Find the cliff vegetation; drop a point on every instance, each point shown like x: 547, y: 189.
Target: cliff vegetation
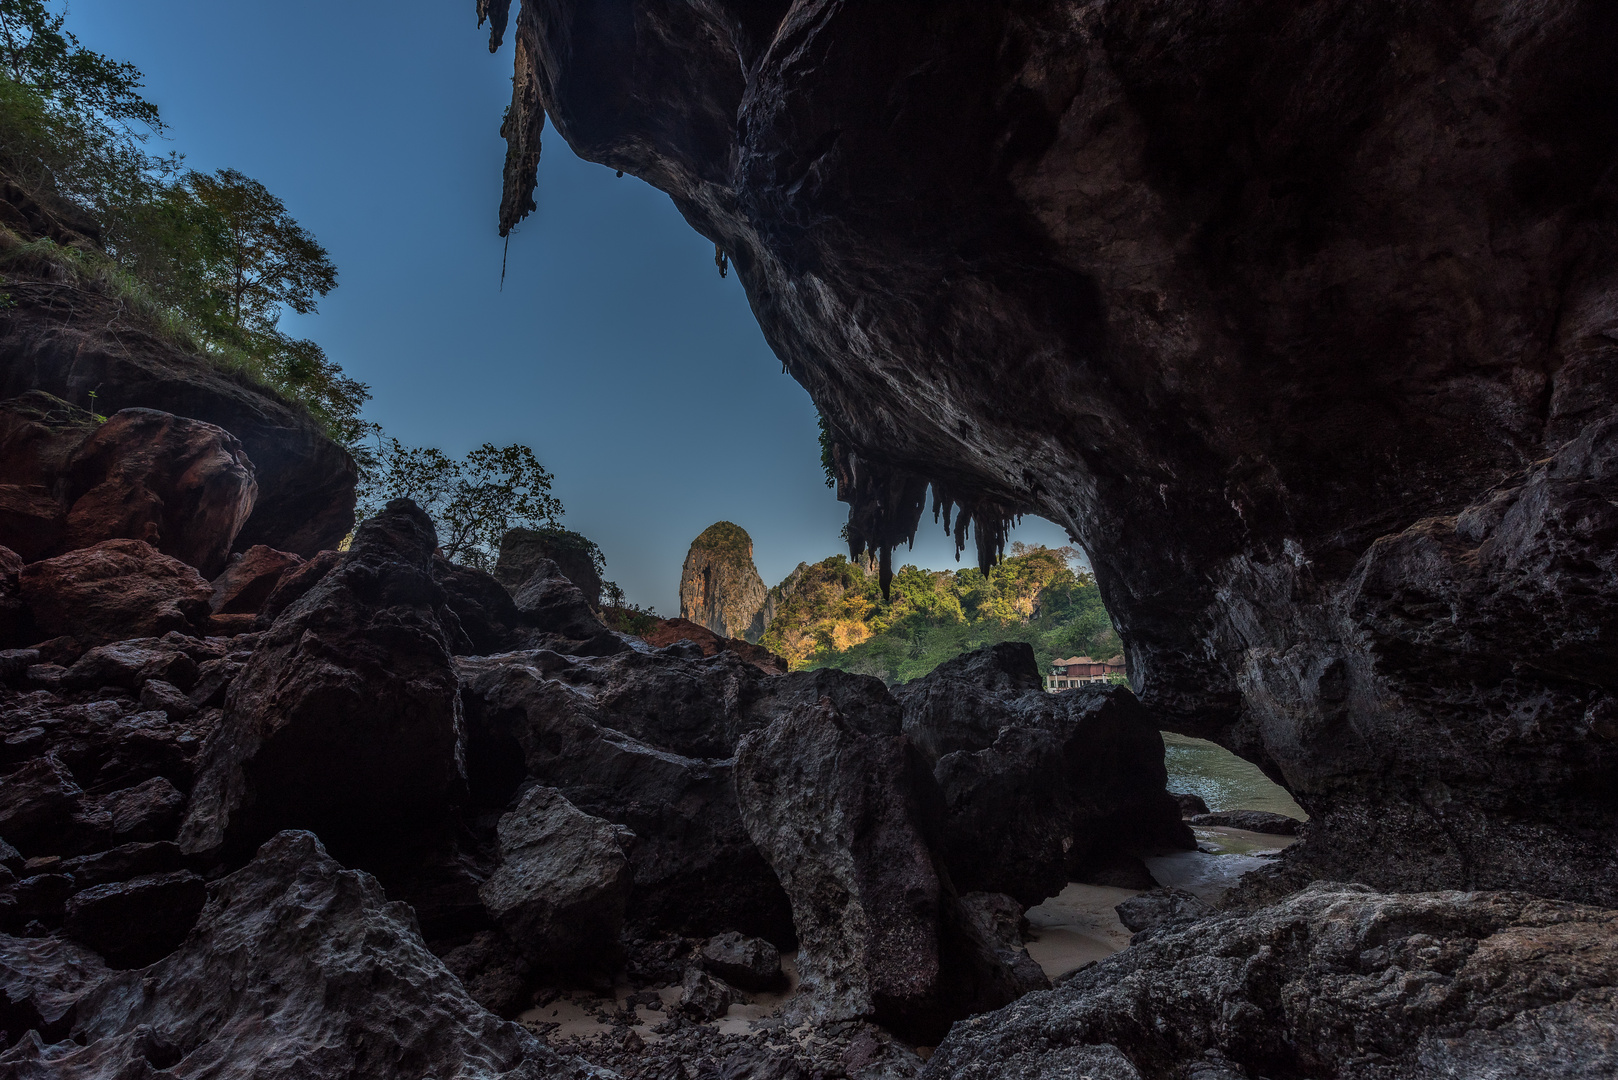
x: 832, y: 615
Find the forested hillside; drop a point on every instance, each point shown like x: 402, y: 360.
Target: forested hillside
x: 831, y: 614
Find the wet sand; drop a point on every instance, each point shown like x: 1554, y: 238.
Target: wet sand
x: 1079, y: 925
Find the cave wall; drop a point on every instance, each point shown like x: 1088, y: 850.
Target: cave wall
x: 1301, y: 317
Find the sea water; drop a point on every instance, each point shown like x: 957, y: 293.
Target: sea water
x: 1225, y: 781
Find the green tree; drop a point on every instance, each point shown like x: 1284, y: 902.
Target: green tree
x: 39, y: 54
x: 473, y: 501
x: 266, y: 261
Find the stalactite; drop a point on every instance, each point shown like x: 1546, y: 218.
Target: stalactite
x: 521, y: 128
x: 498, y: 12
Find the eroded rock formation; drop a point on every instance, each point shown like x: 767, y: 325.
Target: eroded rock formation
x: 1299, y: 317
x: 719, y: 585
x: 1334, y: 981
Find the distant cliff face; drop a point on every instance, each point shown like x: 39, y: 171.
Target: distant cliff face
x: 720, y: 587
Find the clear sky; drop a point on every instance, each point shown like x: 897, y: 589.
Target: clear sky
x: 615, y: 350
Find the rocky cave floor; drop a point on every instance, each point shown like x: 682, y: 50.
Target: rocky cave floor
x: 373, y: 814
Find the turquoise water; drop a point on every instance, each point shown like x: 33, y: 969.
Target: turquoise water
x: 1225, y: 781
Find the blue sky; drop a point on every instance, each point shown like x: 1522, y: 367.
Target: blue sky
x: 615, y: 350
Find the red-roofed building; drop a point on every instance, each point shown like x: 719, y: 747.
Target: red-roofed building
x: 1082, y: 671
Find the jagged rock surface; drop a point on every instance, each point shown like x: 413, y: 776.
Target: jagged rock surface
x: 1334, y: 981
x: 719, y: 585
x: 563, y: 880
x: 114, y: 590
x: 249, y: 578
x: 1039, y: 788
x: 614, y: 735
x: 521, y: 551
x: 1299, y: 318
x: 346, y: 719
x: 351, y: 987
x: 845, y: 819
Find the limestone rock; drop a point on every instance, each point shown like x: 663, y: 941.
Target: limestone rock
x: 486, y: 618
x: 844, y: 820
x: 995, y: 922
x: 559, y: 615
x: 41, y: 979
x: 184, y: 486
x: 546, y: 716
x: 563, y: 880
x: 1490, y: 984
x: 139, y: 921
x: 346, y: 718
x: 746, y: 962
x: 703, y: 997
x: 1252, y: 820
x: 293, y: 583
x: 1159, y: 907
x: 114, y: 590
x: 249, y: 579
x: 1039, y: 787
x: 719, y: 585
x: 521, y: 550
x: 291, y: 935
x: 493, y: 971
x: 1325, y: 389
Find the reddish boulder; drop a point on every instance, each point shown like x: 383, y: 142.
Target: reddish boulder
x: 668, y: 631
x: 116, y: 590
x: 184, y: 486
x: 295, y: 582
x: 249, y: 579
x: 31, y: 519
x: 135, y: 923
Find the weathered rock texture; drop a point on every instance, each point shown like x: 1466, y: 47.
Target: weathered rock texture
x: 574, y: 555
x: 846, y: 818
x: 183, y: 486
x: 346, y: 719
x: 668, y: 631
x: 297, y: 967
x: 719, y: 585
x: 1335, y: 981
x: 69, y: 342
x: 1299, y: 317
x: 114, y: 590
x: 563, y: 880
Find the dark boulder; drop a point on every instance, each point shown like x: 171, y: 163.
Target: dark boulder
x: 249, y: 578
x: 112, y: 591
x: 746, y: 962
x: 39, y: 434
x: 1160, y: 907
x: 139, y: 921
x: 1489, y: 984
x: 561, y: 885
x: 43, y: 812
x: 150, y: 810
x: 1041, y: 788
x: 522, y: 550
x: 184, y: 486
x: 539, y: 714
x: 124, y: 862
x: 493, y: 971
x: 703, y: 997
x: 846, y: 820
x: 1190, y: 805
x: 293, y: 583
x: 305, y: 480
x: 291, y: 935
x: 559, y: 617
x: 995, y: 922
x: 346, y: 718
x: 41, y: 979
x: 486, y: 617
x: 1261, y: 821
x: 16, y: 623
x: 131, y: 664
